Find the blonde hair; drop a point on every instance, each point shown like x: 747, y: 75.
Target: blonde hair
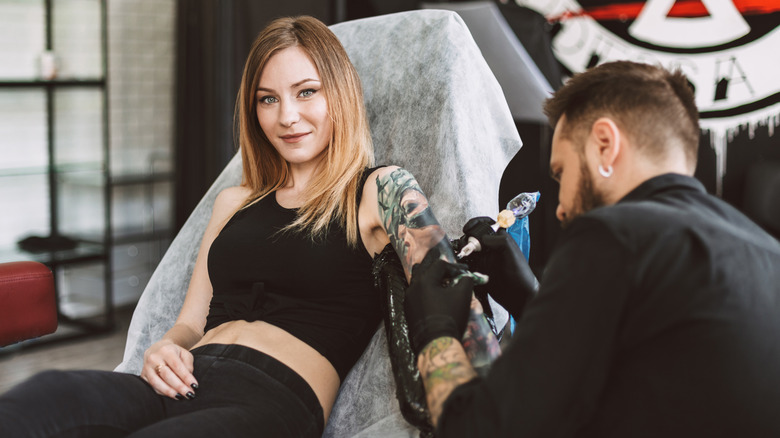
x: 332, y: 192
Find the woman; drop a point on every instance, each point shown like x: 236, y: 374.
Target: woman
x: 280, y: 304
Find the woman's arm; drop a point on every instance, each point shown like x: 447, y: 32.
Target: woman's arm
x: 171, y: 353
x: 403, y: 218
x: 395, y: 210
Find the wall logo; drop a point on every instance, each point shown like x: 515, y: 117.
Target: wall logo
x: 729, y: 49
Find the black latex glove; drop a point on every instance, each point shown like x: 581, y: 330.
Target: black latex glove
x: 435, y: 307
x: 512, y: 283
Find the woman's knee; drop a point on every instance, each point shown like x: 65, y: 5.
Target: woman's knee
x: 69, y: 386
x: 78, y: 400
x: 53, y: 381
x: 43, y: 381
x: 21, y: 406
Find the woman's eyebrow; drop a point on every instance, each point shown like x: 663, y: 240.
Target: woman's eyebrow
x: 297, y: 84
x: 301, y: 82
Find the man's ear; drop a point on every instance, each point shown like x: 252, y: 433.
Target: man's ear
x: 606, y: 136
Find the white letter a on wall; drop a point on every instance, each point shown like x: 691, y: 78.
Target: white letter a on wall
x: 723, y: 24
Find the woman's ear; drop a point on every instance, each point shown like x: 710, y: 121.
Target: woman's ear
x: 606, y: 136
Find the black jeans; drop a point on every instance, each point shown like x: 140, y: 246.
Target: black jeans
x: 242, y: 392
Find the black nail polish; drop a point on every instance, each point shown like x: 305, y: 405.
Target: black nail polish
x: 179, y: 397
x: 190, y: 395
x: 194, y: 386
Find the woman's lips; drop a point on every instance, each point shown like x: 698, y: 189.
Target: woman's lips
x: 294, y: 138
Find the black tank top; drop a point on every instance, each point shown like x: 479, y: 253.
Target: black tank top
x: 320, y: 292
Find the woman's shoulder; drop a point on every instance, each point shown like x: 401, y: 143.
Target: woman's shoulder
x: 368, y: 180
x: 231, y: 199
x: 371, y: 175
x: 381, y: 173
x: 233, y: 195
x: 388, y: 175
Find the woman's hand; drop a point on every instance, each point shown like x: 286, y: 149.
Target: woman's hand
x: 168, y: 369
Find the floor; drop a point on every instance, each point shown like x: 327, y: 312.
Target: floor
x: 99, y: 352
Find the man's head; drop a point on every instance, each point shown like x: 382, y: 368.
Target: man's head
x: 616, y: 126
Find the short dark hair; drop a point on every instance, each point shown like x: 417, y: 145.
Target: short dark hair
x: 655, y: 107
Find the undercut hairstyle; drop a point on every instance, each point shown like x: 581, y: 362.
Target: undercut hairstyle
x: 654, y: 107
x: 332, y: 192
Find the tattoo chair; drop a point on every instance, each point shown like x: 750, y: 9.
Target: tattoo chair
x: 27, y: 302
x: 435, y: 109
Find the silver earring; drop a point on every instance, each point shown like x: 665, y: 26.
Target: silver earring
x: 606, y: 173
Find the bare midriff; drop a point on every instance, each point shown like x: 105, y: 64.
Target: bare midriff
x: 312, y: 366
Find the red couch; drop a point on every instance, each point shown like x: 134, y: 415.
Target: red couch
x: 28, y: 307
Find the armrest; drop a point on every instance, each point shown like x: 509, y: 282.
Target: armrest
x: 28, y: 306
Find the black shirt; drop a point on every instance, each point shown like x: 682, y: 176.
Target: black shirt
x: 658, y: 317
x: 321, y: 291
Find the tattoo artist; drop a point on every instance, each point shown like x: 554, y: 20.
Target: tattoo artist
x: 658, y: 312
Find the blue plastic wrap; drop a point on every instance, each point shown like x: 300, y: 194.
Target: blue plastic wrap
x: 522, y: 205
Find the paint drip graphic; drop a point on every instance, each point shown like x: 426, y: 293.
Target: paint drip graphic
x: 729, y: 49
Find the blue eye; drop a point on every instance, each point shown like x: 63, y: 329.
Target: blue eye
x: 266, y: 100
x: 309, y: 92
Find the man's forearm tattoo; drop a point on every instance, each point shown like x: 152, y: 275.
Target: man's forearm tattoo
x: 479, y: 342
x: 443, y: 366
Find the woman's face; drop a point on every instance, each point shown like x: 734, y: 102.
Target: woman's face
x: 292, y: 109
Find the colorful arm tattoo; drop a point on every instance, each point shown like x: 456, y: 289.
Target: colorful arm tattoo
x: 408, y: 220
x: 479, y: 342
x: 413, y: 231
x: 444, y: 365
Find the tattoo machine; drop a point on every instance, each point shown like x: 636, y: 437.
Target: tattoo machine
x: 514, y: 219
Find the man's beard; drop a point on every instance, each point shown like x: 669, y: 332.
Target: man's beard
x: 587, y: 197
